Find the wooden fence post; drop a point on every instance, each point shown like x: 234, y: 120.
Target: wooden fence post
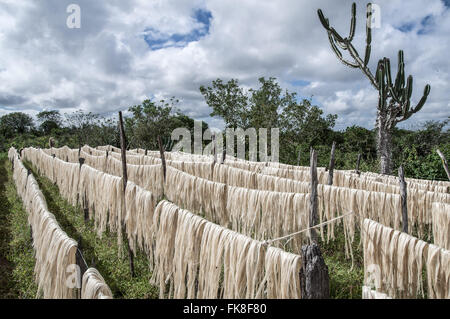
x: 313, y: 216
x: 314, y: 277
x: 81, y: 160
x: 214, y: 148
x: 357, y: 164
x: 163, y: 159
x: 224, y: 155
x: 444, y: 163
x: 123, y: 146
x: 404, y: 196
x: 331, y: 165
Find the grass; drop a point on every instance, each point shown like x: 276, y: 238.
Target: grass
x: 16, y: 252
x: 346, y: 278
x: 99, y: 252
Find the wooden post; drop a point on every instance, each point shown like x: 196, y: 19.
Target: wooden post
x: 313, y: 216
x: 314, y: 277
x: 357, y: 164
x: 81, y: 160
x: 444, y: 163
x: 404, y: 196
x: 224, y: 155
x: 123, y: 146
x: 298, y: 158
x: 331, y: 171
x: 214, y: 148
x: 163, y: 159
x: 146, y: 152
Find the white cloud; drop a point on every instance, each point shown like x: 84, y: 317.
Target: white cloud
x: 107, y: 65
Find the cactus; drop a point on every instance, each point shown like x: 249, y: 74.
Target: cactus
x: 394, y: 98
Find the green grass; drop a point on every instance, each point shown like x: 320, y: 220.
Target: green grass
x: 346, y: 277
x: 16, y: 252
x: 99, y: 252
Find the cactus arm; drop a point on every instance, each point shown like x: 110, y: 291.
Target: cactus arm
x: 422, y: 101
x: 339, y: 54
x: 400, y: 78
x: 323, y: 20
x: 419, y: 105
x: 363, y: 68
x: 352, y: 23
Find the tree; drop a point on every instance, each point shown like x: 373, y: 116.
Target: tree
x: 269, y: 106
x: 16, y: 123
x: 394, y: 104
x: 83, y: 124
x: 360, y: 140
x: 49, y: 120
x: 228, y: 101
x: 150, y: 120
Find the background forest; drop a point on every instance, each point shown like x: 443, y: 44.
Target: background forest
x: 302, y: 125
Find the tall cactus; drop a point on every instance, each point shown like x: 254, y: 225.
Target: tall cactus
x: 394, y: 98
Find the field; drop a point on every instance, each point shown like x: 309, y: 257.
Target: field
x: 97, y: 237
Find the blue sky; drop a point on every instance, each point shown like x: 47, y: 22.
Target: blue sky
x: 130, y: 50
x: 157, y: 40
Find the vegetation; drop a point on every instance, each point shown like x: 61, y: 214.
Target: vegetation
x: 16, y: 252
x: 302, y: 126
x: 394, y: 98
x: 100, y: 252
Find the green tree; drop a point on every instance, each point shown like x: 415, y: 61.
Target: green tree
x: 268, y: 106
x: 49, y: 121
x: 228, y: 101
x: 83, y: 125
x: 150, y: 120
x: 15, y: 123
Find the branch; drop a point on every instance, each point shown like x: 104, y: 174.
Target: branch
x: 338, y: 53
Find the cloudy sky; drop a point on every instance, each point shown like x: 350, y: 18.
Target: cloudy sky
x: 128, y: 50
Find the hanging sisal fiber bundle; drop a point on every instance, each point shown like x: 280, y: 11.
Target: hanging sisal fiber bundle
x: 368, y: 293
x: 94, y: 286
x: 220, y: 173
x: 148, y: 160
x: 109, y: 148
x: 441, y: 225
x: 187, y: 157
x: 165, y: 217
x: 282, y: 274
x: 68, y: 181
x: 97, y: 162
x: 105, y: 207
x: 243, y: 264
x: 412, y: 182
x: 139, y: 208
x: 393, y: 263
x: 54, y: 250
x: 196, y: 194
x: 202, y: 169
x: 438, y: 272
x: 187, y: 254
x: 195, y: 258
x: 266, y: 214
x: 149, y: 177
x: 92, y: 151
